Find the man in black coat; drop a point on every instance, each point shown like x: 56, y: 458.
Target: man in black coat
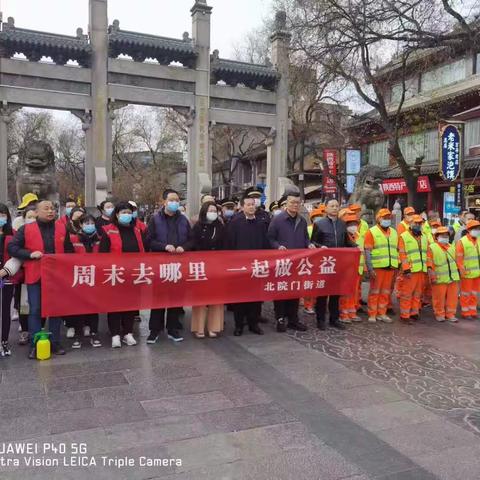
x: 330, y: 232
x: 247, y: 232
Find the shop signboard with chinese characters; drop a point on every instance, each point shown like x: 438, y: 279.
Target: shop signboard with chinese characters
x: 88, y: 283
x: 396, y: 186
x: 450, y: 152
x: 330, y: 158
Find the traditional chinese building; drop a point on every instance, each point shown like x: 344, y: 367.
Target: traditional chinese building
x: 438, y: 88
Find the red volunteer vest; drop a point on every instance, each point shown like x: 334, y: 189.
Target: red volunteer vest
x: 116, y: 239
x: 34, y: 242
x: 79, y: 247
x: 141, y: 226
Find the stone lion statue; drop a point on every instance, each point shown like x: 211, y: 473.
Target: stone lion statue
x: 368, y: 193
x: 36, y: 171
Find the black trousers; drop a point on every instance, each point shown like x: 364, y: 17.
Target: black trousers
x: 119, y: 322
x: 6, y: 294
x: 78, y: 321
x: 287, y: 309
x: 246, y: 312
x: 321, y: 308
x: 157, y: 319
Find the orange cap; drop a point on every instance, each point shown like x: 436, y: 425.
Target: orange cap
x: 350, y: 217
x: 441, y: 230
x: 472, y: 224
x: 436, y: 224
x: 384, y: 212
x: 417, y: 219
x: 408, y: 210
x: 317, y: 212
x: 343, y: 212
x: 355, y: 207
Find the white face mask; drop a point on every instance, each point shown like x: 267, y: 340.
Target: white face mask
x: 352, y: 229
x: 385, y: 223
x: 277, y: 212
x: 258, y: 202
x: 212, y: 216
x: 434, y: 231
x: 443, y: 240
x: 475, y: 233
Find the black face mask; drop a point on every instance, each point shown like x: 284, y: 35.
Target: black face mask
x: 417, y: 230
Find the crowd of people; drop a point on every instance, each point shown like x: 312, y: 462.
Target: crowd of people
x: 421, y: 261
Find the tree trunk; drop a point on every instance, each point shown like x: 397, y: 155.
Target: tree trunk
x: 301, y: 174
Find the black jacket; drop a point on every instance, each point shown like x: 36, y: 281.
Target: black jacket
x: 207, y: 236
x: 331, y: 234
x: 245, y: 234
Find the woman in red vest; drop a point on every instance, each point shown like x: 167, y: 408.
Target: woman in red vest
x: 122, y: 236
x: 6, y: 290
x: 86, y: 240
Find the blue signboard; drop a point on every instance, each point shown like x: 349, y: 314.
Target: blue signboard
x: 450, y: 153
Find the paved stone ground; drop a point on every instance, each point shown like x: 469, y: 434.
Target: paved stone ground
x: 377, y: 401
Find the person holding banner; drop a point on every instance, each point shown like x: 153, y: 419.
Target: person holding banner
x: 168, y: 231
x: 381, y: 257
x: 288, y: 230
x: 247, y: 232
x: 86, y: 240
x: 122, y: 236
x: 330, y: 232
x: 208, y: 234
x: 29, y: 244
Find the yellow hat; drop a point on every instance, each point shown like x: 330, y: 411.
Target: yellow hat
x: 409, y: 211
x: 27, y: 199
x: 384, y: 212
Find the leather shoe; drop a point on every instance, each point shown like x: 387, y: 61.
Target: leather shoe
x: 58, y: 349
x: 338, y: 324
x: 281, y: 325
x: 256, y: 329
x: 299, y: 326
x: 238, y: 332
x: 321, y: 325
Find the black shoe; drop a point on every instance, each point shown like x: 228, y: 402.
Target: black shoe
x: 263, y: 320
x: 175, y: 336
x: 238, y: 332
x: 321, y: 325
x: 299, y: 326
x: 281, y: 325
x: 57, y: 349
x: 414, y: 317
x: 152, y: 338
x: 390, y: 311
x: 32, y: 355
x: 256, y: 329
x: 338, y: 324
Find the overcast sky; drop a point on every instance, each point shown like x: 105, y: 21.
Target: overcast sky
x: 231, y: 19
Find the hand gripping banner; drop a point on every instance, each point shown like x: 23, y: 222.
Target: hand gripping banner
x: 74, y: 284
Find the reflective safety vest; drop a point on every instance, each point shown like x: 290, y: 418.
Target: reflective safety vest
x: 310, y: 230
x: 417, y: 257
x: 405, y: 226
x: 471, y: 258
x: 360, y: 241
x: 446, y: 270
x: 457, y: 226
x: 426, y: 229
x: 363, y: 228
x: 116, y: 239
x: 385, y: 250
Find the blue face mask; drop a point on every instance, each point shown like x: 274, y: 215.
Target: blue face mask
x: 125, y: 218
x: 228, y: 213
x: 3, y: 221
x: 89, y: 228
x: 68, y: 211
x: 135, y: 214
x: 173, y: 206
x: 385, y: 223
x: 109, y: 211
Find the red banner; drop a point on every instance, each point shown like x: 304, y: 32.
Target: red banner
x: 394, y: 186
x: 89, y: 283
x: 329, y: 185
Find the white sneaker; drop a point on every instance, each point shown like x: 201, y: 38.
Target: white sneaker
x: 129, y: 340
x: 70, y: 332
x: 356, y: 319
x: 372, y: 320
x: 385, y: 319
x: 453, y: 319
x: 86, y: 331
x: 116, y: 341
